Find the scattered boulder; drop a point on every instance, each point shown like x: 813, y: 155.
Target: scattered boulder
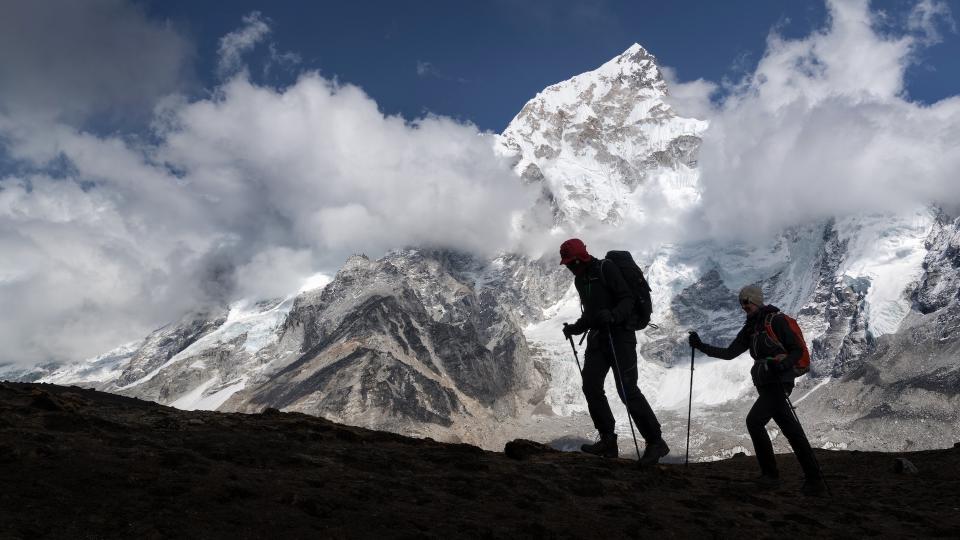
x: 904, y: 466
x: 522, y: 449
x: 956, y: 445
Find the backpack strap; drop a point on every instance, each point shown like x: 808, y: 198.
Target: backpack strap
x: 589, y: 287
x: 768, y: 326
x: 602, y: 280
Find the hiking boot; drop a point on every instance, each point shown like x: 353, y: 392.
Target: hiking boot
x: 606, y: 446
x: 813, y: 487
x: 767, y: 481
x: 653, y: 452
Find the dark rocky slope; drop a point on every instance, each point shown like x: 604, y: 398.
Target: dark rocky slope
x: 78, y: 463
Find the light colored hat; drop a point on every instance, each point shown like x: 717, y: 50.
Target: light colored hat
x: 752, y: 294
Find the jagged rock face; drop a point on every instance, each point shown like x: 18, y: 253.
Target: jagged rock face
x: 402, y: 343
x: 419, y: 342
x: 526, y: 287
x: 896, y: 391
x: 708, y: 293
x: 614, y: 124
x: 833, y: 318
x: 198, y: 362
x: 707, y: 305
x: 941, y: 280
x: 905, y: 394
x: 166, y: 342
x: 815, y: 273
x: 224, y: 363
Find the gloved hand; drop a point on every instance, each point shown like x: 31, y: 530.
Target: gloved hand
x: 568, y: 330
x: 604, y: 317
x: 694, y: 340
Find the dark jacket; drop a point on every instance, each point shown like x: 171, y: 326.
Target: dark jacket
x: 603, y: 291
x: 753, y: 337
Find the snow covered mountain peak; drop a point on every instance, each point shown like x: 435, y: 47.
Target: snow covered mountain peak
x: 634, y: 63
x: 600, y: 141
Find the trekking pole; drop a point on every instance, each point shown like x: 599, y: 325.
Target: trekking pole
x: 623, y: 392
x: 793, y: 410
x: 575, y: 357
x: 686, y: 458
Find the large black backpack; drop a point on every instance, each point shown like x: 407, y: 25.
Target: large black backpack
x: 642, y: 305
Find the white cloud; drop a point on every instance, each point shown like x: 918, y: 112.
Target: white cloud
x: 321, y: 160
x: 79, y: 273
x: 235, y: 44
x: 245, y: 194
x: 284, y: 60
x: 927, y: 18
x: 822, y: 127
x: 693, y: 98
x: 275, y: 272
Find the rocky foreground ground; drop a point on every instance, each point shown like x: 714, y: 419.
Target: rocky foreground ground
x: 77, y: 463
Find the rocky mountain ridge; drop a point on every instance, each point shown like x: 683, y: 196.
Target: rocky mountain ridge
x: 593, y: 140
x: 451, y: 346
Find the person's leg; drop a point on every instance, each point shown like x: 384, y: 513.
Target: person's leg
x: 757, y: 419
x: 594, y: 372
x: 793, y: 431
x: 637, y: 405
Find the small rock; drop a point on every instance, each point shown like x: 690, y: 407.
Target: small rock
x: 740, y: 454
x: 522, y: 449
x: 270, y: 411
x: 956, y: 445
x: 904, y: 466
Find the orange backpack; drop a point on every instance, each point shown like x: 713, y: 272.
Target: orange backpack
x: 803, y: 363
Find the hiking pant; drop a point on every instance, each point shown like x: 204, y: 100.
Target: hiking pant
x: 772, y: 404
x: 597, y: 361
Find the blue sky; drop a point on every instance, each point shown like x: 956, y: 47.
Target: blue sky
x: 481, y: 61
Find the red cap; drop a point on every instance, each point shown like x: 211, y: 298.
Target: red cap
x: 572, y: 249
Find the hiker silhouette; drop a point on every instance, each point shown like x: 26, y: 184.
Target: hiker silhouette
x: 777, y: 360
x: 608, y: 306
